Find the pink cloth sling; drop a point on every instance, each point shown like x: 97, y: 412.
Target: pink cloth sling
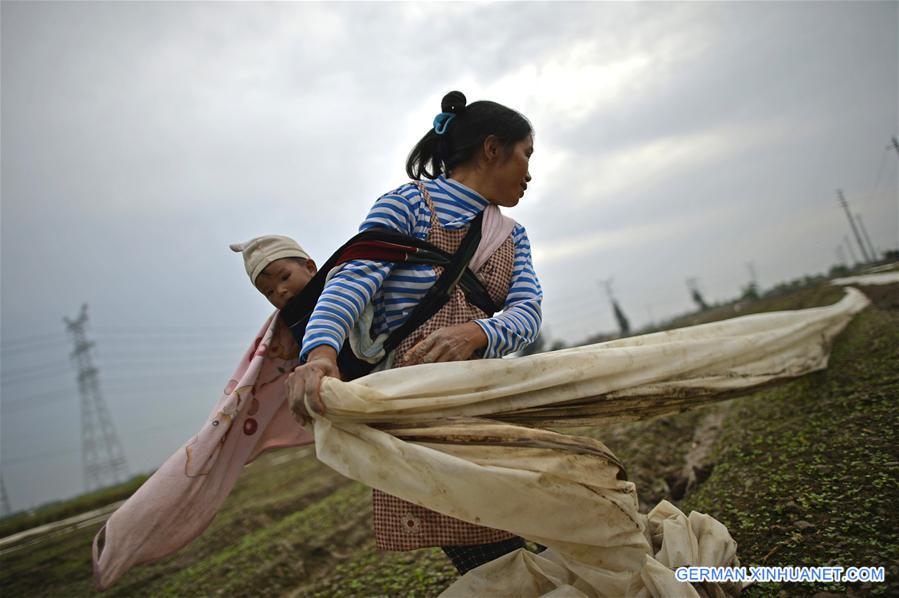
x: 494, y: 230
x: 181, y: 498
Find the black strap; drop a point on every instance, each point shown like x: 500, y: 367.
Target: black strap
x: 351, y: 367
x: 438, y: 295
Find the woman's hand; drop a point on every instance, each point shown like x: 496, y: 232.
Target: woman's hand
x: 453, y: 343
x: 305, y: 382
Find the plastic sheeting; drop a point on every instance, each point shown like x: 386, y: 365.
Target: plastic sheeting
x: 628, y: 378
x: 868, y: 279
x: 422, y: 433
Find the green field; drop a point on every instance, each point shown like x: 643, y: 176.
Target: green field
x: 805, y: 473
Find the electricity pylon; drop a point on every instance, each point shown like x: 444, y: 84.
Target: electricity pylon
x: 845, y: 205
x: 5, y: 509
x: 102, y: 456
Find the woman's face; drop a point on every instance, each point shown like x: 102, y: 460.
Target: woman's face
x: 509, y: 175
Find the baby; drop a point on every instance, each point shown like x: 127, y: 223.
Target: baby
x: 278, y: 267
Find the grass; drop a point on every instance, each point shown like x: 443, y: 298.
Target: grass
x: 808, y: 472
x: 802, y: 474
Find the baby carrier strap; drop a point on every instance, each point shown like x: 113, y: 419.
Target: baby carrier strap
x: 441, y: 291
x: 389, y: 245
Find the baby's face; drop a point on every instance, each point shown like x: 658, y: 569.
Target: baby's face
x: 283, y: 279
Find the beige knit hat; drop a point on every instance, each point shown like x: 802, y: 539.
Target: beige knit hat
x: 262, y: 251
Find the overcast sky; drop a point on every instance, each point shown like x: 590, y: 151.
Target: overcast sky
x: 140, y: 139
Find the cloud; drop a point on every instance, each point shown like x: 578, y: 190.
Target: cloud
x: 622, y: 239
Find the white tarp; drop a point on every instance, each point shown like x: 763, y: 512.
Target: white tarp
x: 868, y: 279
x: 422, y: 433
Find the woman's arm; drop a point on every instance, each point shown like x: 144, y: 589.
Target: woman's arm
x: 348, y: 291
x: 515, y: 328
x: 342, y: 300
x: 518, y: 324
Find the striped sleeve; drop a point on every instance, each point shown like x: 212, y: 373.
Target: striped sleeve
x: 390, y: 211
x: 354, y: 285
x: 519, y: 322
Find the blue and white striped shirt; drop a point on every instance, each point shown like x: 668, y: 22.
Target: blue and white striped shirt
x: 396, y: 289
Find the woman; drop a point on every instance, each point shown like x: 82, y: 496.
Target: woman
x: 474, y: 156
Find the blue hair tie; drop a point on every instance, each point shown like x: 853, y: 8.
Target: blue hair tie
x: 442, y: 121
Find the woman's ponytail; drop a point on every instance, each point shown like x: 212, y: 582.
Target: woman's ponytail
x: 424, y: 159
x: 428, y: 156
x: 459, y: 130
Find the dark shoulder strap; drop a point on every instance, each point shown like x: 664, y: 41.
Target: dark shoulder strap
x: 376, y: 243
x: 438, y: 295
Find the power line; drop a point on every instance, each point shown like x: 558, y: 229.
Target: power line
x: 876, y: 187
x: 115, y: 329
x: 61, y: 395
x: 39, y: 456
x: 156, y: 358
x: 35, y: 368
x: 30, y: 378
x: 861, y: 226
x: 38, y: 396
x: 37, y: 400
x: 150, y: 356
x: 68, y: 449
x: 32, y: 338
x: 841, y: 256
x: 167, y: 344
x: 588, y: 313
x: 179, y: 337
x: 130, y: 374
x: 157, y: 371
x: 214, y: 336
x: 18, y: 406
x: 38, y: 345
x: 145, y: 375
x: 849, y: 247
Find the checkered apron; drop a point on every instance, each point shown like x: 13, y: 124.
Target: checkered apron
x: 401, y: 525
